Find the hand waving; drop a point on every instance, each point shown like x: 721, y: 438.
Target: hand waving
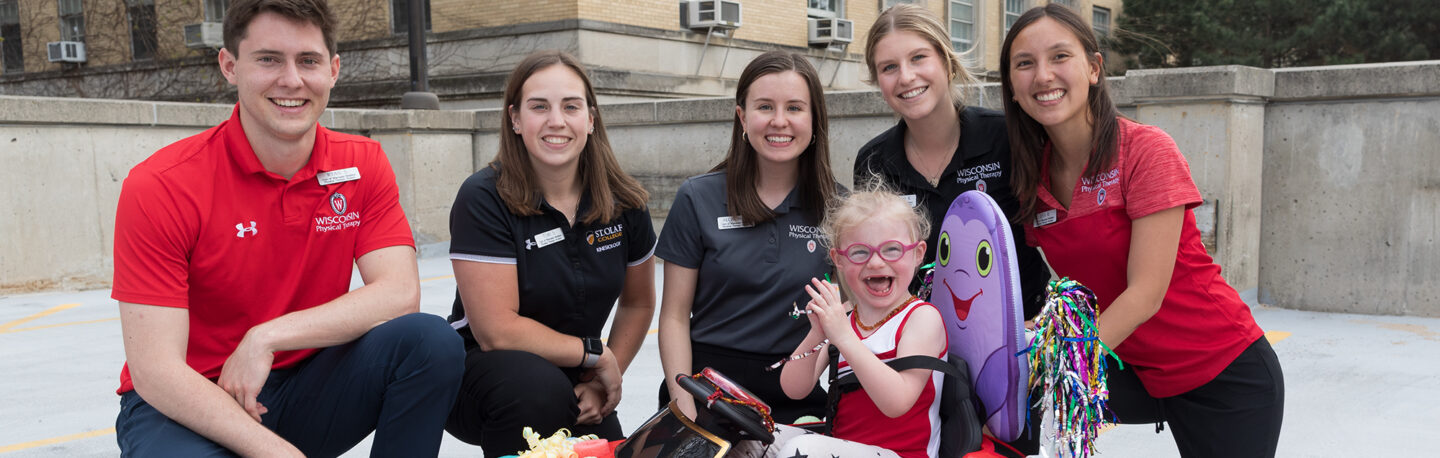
x: 827, y: 310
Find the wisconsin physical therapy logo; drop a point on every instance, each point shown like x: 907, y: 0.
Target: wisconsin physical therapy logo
x: 979, y: 172
x: 801, y: 231
x: 608, y: 237
x: 341, y: 220
x: 1099, y: 184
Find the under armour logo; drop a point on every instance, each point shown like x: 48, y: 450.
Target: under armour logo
x: 240, y: 229
x: 529, y: 244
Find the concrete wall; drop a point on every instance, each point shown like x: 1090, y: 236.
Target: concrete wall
x: 1351, y: 202
x: 1321, y: 185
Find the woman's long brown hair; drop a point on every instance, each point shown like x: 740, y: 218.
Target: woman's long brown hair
x: 611, y: 190
x: 1028, y: 137
x: 815, y: 180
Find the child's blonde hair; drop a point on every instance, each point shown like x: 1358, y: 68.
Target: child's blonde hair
x: 876, y: 200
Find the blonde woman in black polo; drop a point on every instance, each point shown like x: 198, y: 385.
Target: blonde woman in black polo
x: 940, y: 147
x: 741, y: 242
x: 544, y: 240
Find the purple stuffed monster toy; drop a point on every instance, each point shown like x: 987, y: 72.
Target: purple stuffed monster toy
x: 977, y: 290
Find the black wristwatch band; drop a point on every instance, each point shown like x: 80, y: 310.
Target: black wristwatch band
x: 593, y: 349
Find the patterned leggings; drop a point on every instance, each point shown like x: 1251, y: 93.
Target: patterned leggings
x: 796, y: 442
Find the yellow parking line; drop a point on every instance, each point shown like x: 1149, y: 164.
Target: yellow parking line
x: 61, y: 307
x: 442, y: 277
x: 56, y: 440
x: 48, y: 326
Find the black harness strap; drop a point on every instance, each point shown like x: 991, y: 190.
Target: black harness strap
x: 960, y: 430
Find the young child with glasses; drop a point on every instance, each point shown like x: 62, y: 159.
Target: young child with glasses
x: 877, y: 242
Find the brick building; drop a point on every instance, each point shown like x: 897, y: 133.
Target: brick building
x: 636, y: 49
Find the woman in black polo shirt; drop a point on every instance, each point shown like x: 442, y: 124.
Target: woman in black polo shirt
x: 941, y: 148
x: 543, y: 241
x: 740, y: 242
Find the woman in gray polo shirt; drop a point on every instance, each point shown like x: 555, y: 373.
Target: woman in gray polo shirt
x: 741, y: 242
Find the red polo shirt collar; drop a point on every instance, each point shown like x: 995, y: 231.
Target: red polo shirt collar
x: 245, y: 159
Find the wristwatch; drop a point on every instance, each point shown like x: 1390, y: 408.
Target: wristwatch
x: 593, y: 349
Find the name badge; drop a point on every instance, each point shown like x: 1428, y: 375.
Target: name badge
x: 1045, y: 218
x: 338, y: 176
x: 549, y: 237
x: 731, y: 222
x: 910, y: 198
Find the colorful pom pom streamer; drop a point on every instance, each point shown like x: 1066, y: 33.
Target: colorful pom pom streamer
x: 1067, y: 367
x: 928, y: 271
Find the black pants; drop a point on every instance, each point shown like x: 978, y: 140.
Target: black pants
x: 504, y: 391
x: 748, y: 370
x: 1238, y: 414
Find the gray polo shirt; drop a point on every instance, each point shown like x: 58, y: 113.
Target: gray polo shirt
x: 748, y: 276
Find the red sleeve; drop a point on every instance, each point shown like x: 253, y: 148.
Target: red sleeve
x: 386, y: 225
x: 1157, y: 176
x: 154, y: 234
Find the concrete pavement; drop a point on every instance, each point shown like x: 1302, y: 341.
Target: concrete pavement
x: 1356, y: 385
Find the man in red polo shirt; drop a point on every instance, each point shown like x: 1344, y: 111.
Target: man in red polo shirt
x: 233, y: 257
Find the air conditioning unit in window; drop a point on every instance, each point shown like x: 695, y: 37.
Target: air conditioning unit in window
x: 827, y: 31
x: 205, y: 35
x: 704, y: 14
x: 65, y: 51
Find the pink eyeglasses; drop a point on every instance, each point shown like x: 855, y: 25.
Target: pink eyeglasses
x: 890, y: 251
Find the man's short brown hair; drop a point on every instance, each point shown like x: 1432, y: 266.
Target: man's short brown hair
x: 242, y: 12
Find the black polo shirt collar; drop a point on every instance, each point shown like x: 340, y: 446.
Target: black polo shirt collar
x: 896, y: 169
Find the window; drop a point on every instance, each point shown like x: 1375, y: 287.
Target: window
x: 143, y: 38
x: 962, y: 24
x: 889, y: 3
x: 400, y: 16
x: 1068, y: 3
x: 11, y: 50
x: 1101, y: 22
x: 215, y: 10
x: 826, y: 8
x: 1013, y: 10
x: 72, y: 20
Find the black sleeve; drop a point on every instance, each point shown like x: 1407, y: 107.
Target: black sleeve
x: 1034, y: 275
x: 639, y: 236
x: 480, y: 224
x: 864, y: 168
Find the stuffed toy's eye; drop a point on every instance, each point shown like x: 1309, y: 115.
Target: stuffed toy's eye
x: 984, y: 258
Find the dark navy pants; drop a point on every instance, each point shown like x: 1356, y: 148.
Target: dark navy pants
x: 398, y: 380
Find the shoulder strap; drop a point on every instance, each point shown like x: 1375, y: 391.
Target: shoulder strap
x: 842, y: 385
x: 850, y: 382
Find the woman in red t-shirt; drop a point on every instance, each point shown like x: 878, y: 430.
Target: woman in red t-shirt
x: 1110, y: 201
